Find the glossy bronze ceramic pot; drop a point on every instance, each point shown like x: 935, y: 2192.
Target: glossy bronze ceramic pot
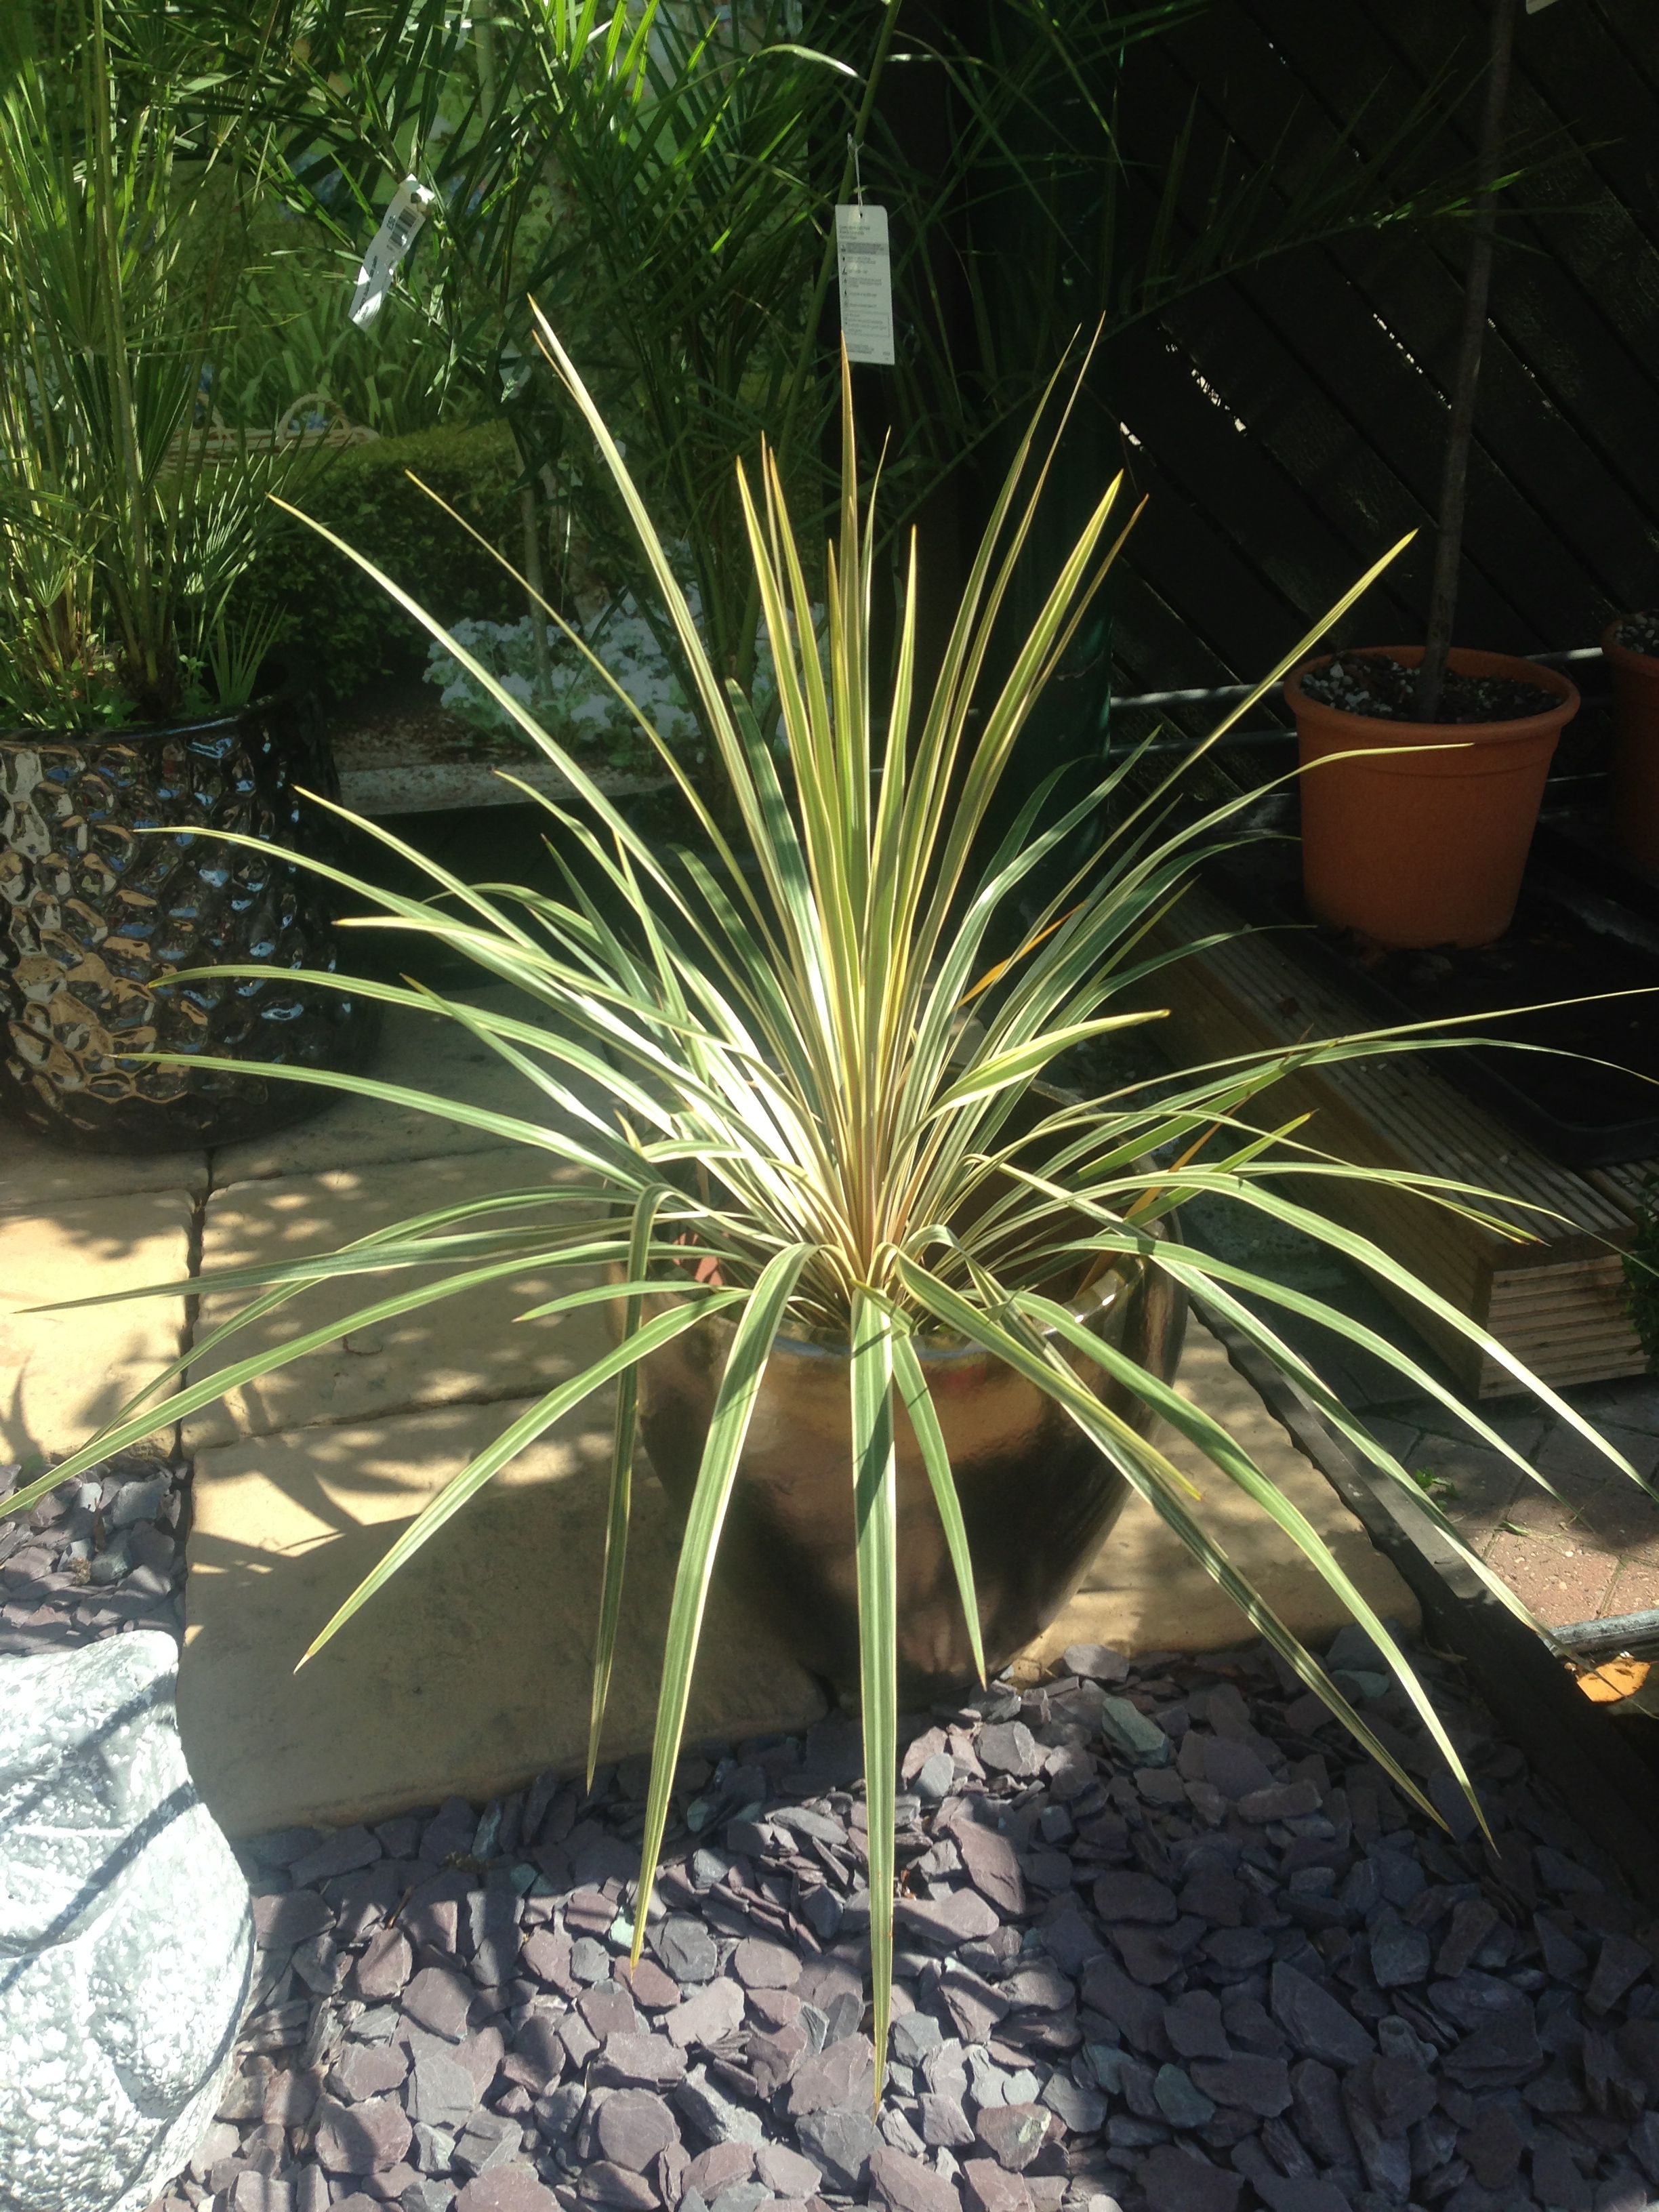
x: 95, y: 918
x: 1037, y: 1498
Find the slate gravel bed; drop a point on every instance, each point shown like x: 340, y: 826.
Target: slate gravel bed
x: 1167, y: 1942
x: 95, y: 1557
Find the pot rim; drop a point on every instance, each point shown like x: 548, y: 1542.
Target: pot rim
x: 1614, y: 649
x: 1375, y: 732
x: 126, y: 734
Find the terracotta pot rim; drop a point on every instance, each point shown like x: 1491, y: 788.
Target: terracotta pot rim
x: 1613, y: 648
x: 1373, y: 731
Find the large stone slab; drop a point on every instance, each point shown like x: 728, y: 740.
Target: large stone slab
x: 470, y: 1347
x: 36, y: 1176
x: 471, y: 1672
x: 1145, y: 1592
x: 418, y: 1052
x: 64, y: 1375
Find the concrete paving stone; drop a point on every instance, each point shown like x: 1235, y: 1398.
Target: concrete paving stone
x: 418, y: 1052
x: 1558, y: 1583
x: 1609, y: 1515
x: 1401, y: 1437
x: 1475, y: 1484
x: 1143, y: 1580
x: 1634, y: 1588
x: 1633, y: 1402
x: 64, y: 1375
x: 1565, y: 1452
x: 466, y: 1347
x: 36, y: 1177
x: 440, y: 1686
x: 1520, y: 1421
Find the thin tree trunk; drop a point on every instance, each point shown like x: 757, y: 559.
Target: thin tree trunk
x: 1454, y: 479
x: 529, y: 519
x: 533, y: 576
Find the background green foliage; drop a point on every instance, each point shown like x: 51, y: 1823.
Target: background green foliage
x: 346, y: 636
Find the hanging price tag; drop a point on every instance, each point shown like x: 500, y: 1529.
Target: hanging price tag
x: 866, y: 271
x: 399, y: 227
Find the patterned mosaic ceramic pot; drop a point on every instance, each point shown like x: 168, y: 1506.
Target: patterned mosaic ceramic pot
x: 93, y: 918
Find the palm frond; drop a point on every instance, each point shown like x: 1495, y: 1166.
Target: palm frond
x: 798, y: 1056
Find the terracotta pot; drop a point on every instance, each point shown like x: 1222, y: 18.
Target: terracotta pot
x: 1036, y: 1497
x: 1635, y: 793
x: 1426, y: 847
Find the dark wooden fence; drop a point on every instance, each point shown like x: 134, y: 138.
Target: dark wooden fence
x: 1288, y: 424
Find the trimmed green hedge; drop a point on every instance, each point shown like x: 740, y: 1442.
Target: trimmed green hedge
x: 345, y: 631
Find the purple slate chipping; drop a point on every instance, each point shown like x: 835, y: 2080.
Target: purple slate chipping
x: 841, y: 2139
x: 948, y: 1922
x: 643, y: 2062
x: 1013, y: 2134
x: 987, y: 2187
x: 1178, y: 2181
x: 991, y: 1865
x: 342, y: 1853
x: 509, y: 2189
x: 761, y: 1965
x: 1256, y: 2084
x: 844, y: 2074
x: 905, y: 2184
x: 384, y: 1967
x: 634, y: 2127
x: 1134, y: 1897
x: 295, y: 1916
x: 438, y: 1999
x: 1087, y: 1956
x: 1009, y: 1748
x: 616, y: 2187
x: 364, y: 2138
x: 1317, y: 2024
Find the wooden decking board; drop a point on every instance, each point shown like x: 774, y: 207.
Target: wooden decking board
x: 1556, y: 1300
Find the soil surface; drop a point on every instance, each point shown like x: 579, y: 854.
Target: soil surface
x: 1640, y: 633
x: 399, y: 724
x: 1372, y: 684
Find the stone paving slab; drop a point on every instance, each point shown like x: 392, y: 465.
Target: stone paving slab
x: 37, y: 1178
x: 62, y: 1375
x: 466, y: 1347
x: 419, y: 1052
x: 470, y: 1673
x: 1144, y: 1591
x: 1589, y: 1552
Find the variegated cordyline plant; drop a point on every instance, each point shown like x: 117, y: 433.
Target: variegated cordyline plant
x: 808, y: 1067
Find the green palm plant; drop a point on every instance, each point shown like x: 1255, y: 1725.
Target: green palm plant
x: 661, y: 176
x: 125, y: 537
x: 807, y: 1073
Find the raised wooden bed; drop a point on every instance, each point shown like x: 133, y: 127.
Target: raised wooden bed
x: 1553, y: 1294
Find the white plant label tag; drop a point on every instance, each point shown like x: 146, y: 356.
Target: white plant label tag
x: 865, y: 269
x: 399, y: 227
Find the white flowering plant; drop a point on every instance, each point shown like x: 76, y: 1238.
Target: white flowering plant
x: 571, y: 699
x: 584, y: 708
